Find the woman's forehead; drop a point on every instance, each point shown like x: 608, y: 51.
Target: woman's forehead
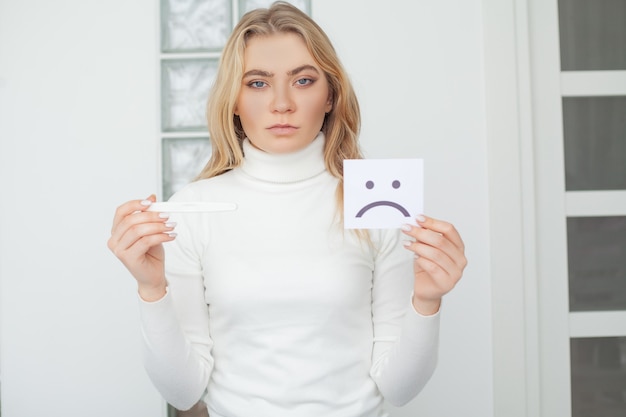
x: 277, y: 50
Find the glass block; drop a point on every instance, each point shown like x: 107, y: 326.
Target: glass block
x: 597, y: 263
x: 183, y: 159
x: 598, y: 376
x: 595, y: 142
x: 185, y: 86
x: 593, y: 35
x: 247, y: 5
x: 195, y: 25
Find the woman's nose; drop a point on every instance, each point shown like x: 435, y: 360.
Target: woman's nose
x: 282, y: 102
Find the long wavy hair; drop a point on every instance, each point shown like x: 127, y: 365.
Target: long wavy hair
x: 341, y: 125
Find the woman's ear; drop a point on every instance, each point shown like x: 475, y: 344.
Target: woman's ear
x: 329, y: 103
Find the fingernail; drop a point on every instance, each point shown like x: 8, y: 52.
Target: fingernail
x: 146, y: 203
x: 406, y: 227
x: 164, y: 215
x: 420, y: 218
x: 407, y: 242
x: 170, y: 224
x: 171, y: 234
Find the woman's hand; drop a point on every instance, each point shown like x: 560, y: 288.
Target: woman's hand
x: 137, y: 239
x: 439, y: 261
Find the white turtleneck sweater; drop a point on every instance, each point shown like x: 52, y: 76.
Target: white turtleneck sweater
x: 275, y: 310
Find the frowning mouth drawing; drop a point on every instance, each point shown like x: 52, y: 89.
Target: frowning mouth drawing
x: 383, y: 203
x: 395, y: 184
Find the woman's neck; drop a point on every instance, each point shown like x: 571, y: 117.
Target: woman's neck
x: 285, y: 168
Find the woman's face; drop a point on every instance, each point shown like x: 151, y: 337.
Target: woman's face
x: 284, y: 94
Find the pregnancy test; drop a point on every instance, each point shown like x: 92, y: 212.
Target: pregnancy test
x: 191, y: 207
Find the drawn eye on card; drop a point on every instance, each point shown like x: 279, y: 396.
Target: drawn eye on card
x: 382, y: 193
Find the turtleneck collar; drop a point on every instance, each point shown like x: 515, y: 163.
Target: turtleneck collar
x: 284, y: 168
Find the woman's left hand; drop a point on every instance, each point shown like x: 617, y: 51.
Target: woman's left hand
x: 439, y: 261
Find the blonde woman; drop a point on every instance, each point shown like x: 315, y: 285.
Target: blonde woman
x: 273, y: 309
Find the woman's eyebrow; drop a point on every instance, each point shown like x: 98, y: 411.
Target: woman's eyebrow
x: 295, y: 71
x: 259, y: 73
x: 302, y: 68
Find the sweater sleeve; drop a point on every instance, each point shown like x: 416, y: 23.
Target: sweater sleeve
x: 405, y: 342
x: 176, y: 340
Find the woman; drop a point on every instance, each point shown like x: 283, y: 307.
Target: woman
x: 274, y: 309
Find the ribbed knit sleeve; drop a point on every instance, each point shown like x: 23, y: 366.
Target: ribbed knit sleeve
x: 405, y: 342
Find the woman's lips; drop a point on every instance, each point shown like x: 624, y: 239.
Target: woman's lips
x: 282, y: 129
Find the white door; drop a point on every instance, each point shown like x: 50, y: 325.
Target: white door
x: 578, y: 55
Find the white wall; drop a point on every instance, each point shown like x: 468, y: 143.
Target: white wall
x: 78, y: 124
x: 79, y: 134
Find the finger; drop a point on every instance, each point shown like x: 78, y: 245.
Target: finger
x: 133, y: 226
x: 135, y: 218
x: 440, y: 226
x: 436, y: 241
x: 437, y: 256
x: 442, y: 243
x: 435, y: 275
x: 131, y: 207
x: 138, y: 258
x: 131, y: 253
x: 138, y: 231
x: 141, y: 248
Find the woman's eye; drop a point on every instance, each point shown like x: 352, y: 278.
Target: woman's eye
x: 304, y: 81
x: 257, y: 84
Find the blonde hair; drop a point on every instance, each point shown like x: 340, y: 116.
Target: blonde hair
x: 341, y: 125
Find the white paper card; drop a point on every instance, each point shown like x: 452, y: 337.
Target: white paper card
x: 382, y: 193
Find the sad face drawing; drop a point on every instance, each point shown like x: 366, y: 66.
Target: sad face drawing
x: 382, y: 193
x: 395, y: 184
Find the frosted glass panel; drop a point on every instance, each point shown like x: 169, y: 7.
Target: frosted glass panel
x: 593, y: 34
x: 185, y: 88
x: 183, y: 159
x: 595, y: 142
x: 598, y: 376
x: 597, y: 263
x: 247, y: 5
x: 195, y: 25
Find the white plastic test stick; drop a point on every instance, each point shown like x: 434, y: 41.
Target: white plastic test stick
x: 191, y: 207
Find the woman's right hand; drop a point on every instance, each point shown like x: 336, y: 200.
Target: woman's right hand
x: 137, y: 238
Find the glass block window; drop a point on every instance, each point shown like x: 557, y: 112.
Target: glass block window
x: 195, y: 25
x: 183, y: 159
x: 598, y: 376
x: 185, y: 85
